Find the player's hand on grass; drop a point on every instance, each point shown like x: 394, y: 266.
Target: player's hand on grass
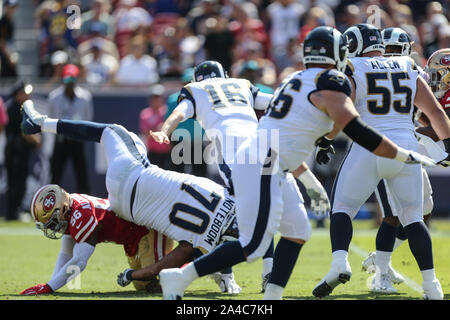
x: 41, y: 288
x: 124, y: 278
x: 226, y: 282
x: 159, y: 137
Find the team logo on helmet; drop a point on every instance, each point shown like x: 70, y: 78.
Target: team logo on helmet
x: 445, y: 60
x: 49, y: 202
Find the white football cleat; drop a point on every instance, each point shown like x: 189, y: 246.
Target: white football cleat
x: 382, y: 283
x: 369, y: 265
x: 340, y: 272
x: 172, y: 283
x: 432, y: 290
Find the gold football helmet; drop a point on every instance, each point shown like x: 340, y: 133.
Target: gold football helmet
x: 438, y: 69
x: 49, y: 209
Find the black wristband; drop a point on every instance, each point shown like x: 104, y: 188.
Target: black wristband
x: 447, y: 144
x: 362, y: 134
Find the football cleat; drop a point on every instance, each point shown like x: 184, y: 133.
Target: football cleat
x: 382, y: 283
x: 369, y: 266
x: 340, y: 272
x: 31, y: 119
x: 432, y: 290
x: 172, y: 283
x: 265, y: 280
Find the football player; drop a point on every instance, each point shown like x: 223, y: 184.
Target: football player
x: 396, y: 43
x: 304, y: 108
x: 194, y: 211
x: 82, y: 222
x: 384, y: 90
x: 225, y: 107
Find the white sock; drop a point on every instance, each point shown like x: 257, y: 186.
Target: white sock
x: 273, y: 292
x: 428, y: 275
x: 397, y: 243
x: 49, y: 125
x: 340, y: 255
x: 190, y: 272
x: 382, y: 260
x: 267, y: 265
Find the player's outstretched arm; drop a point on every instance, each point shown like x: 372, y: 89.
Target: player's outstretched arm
x: 341, y: 109
x: 176, y: 258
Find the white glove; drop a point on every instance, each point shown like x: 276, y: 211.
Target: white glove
x: 124, y: 278
x: 226, y: 282
x: 412, y: 157
x: 320, y: 204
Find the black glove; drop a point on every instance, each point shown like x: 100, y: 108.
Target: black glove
x: 324, y: 147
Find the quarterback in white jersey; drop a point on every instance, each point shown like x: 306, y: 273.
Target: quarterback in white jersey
x: 385, y: 89
x: 194, y: 211
x: 303, y: 109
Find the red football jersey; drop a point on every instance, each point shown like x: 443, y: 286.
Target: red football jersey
x: 445, y: 100
x: 87, y: 212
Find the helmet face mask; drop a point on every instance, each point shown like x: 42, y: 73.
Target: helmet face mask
x: 438, y: 70
x: 49, y: 209
x: 207, y: 70
x: 396, y: 42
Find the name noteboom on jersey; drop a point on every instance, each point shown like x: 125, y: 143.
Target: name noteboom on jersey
x: 223, y: 214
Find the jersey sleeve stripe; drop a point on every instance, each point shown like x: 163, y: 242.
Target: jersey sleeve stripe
x: 84, y: 228
x: 87, y: 234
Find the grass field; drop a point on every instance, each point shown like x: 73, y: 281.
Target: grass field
x: 28, y: 258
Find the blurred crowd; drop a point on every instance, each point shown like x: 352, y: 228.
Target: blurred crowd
x: 141, y: 42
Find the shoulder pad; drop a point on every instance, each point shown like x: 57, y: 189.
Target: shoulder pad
x: 335, y: 80
x: 186, y: 93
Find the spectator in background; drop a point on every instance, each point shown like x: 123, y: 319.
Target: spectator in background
x: 350, y: 16
x: 98, y: 65
x: 18, y: 150
x: 251, y: 71
x: 198, y: 15
x: 435, y: 29
x: 194, y: 141
x: 284, y: 17
x: 152, y: 118
x: 98, y: 18
x: 168, y: 54
x: 137, y: 68
x: 8, y: 57
x: 58, y: 60
x: 70, y: 101
x: 3, y: 116
x: 315, y: 17
x: 219, y: 41
x: 297, y: 64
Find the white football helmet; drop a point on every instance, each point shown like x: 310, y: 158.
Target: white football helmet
x: 397, y: 41
x: 49, y: 209
x: 438, y: 67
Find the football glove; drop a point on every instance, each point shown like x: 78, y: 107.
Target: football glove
x: 41, y: 288
x: 412, y: 157
x: 124, y: 278
x: 320, y: 204
x: 324, y: 147
x: 226, y: 282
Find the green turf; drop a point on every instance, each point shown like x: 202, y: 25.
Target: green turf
x: 28, y: 258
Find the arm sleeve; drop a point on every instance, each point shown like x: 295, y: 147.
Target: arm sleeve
x: 262, y: 101
x: 186, y: 108
x: 81, y: 254
x: 65, y: 254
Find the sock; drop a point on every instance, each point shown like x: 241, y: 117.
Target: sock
x: 190, y: 272
x: 397, y: 243
x: 273, y: 292
x: 81, y: 130
x: 420, y: 244
x: 269, y: 252
x: 382, y: 260
x: 226, y: 255
x: 341, y: 231
x: 49, y: 125
x: 385, y: 237
x: 267, y: 265
x: 428, y: 275
x: 340, y: 255
x: 400, y: 233
x: 284, y: 259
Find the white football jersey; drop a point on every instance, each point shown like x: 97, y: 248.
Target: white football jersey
x: 294, y: 119
x: 182, y: 206
x: 385, y: 91
x: 224, y: 108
